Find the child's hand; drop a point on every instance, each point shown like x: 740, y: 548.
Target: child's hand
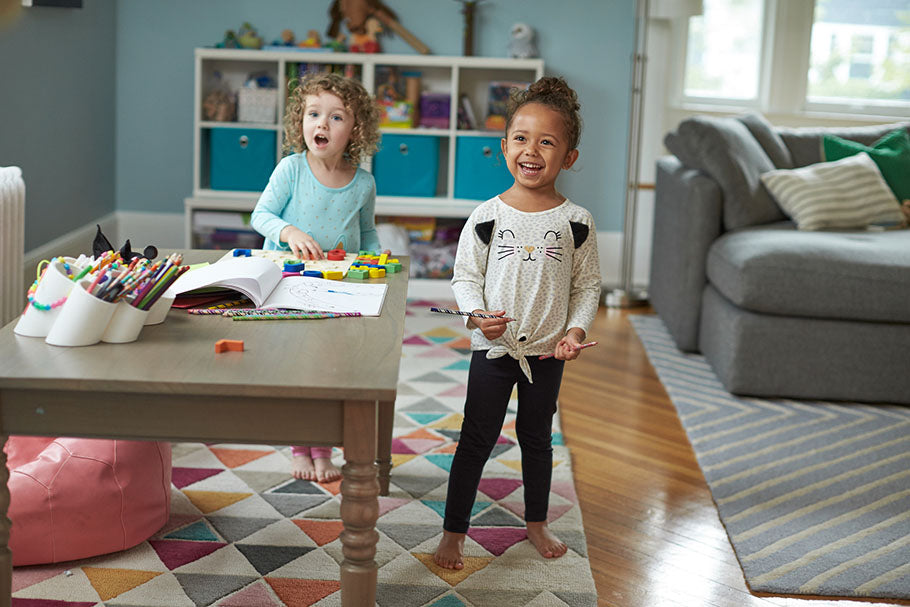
x: 492, y: 328
x: 569, y: 346
x: 302, y: 244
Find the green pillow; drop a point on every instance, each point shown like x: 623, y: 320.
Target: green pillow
x: 891, y: 153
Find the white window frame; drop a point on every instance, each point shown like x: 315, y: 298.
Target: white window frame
x: 783, y: 70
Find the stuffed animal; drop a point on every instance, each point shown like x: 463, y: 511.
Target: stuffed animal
x: 356, y: 14
x: 101, y: 245
x: 522, y: 45
x: 247, y: 37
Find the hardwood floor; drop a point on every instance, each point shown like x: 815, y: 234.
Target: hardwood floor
x: 654, y: 538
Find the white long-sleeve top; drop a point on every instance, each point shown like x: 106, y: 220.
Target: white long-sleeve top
x: 542, y: 268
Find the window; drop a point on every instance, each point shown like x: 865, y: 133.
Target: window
x: 724, y: 47
x: 789, y: 56
x: 870, y: 62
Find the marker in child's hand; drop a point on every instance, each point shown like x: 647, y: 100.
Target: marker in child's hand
x: 581, y: 347
x: 471, y: 314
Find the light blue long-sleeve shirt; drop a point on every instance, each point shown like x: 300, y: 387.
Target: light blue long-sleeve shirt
x: 335, y: 217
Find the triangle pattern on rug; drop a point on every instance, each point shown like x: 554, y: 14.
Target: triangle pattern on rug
x: 254, y: 595
x: 302, y: 592
x: 453, y: 577
x: 183, y: 477
x: 110, y: 583
x: 267, y: 559
x: 233, y: 458
x: 206, y: 588
x: 321, y: 532
x: 176, y: 553
x: 210, y: 501
x: 498, y: 540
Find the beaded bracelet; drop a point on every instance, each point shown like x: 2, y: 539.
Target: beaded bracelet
x: 34, y: 287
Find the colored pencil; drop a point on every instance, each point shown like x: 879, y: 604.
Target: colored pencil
x: 471, y: 314
x: 296, y: 316
x: 581, y: 347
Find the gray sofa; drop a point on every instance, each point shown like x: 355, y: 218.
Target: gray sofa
x: 777, y: 312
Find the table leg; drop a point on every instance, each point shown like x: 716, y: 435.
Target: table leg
x: 384, y: 446
x: 6, y: 557
x: 359, y: 504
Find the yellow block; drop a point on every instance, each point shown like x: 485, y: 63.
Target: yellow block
x: 333, y: 274
x: 377, y: 272
x: 382, y: 259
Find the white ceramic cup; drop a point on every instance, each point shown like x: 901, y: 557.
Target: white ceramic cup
x: 125, y: 324
x: 53, y: 286
x: 158, y: 311
x: 82, y: 320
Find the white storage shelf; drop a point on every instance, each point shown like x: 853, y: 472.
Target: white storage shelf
x: 454, y: 76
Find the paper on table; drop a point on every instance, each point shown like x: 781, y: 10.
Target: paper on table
x: 307, y: 293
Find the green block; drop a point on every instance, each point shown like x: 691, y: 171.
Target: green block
x: 358, y: 273
x: 363, y: 252
x: 392, y: 267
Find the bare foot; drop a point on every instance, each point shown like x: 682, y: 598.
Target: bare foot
x: 326, y: 471
x: 548, y: 545
x: 302, y: 467
x: 450, y: 552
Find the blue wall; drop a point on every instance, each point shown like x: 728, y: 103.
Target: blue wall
x: 57, y: 114
x: 151, y: 93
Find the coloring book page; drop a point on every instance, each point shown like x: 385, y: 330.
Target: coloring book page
x: 319, y: 294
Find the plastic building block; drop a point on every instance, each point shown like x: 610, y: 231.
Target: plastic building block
x: 242, y: 253
x: 377, y: 272
x: 365, y: 252
x: 294, y: 266
x: 228, y: 345
x: 392, y: 267
x: 336, y: 255
x: 358, y: 273
x: 383, y: 258
x: 333, y: 274
x: 313, y: 273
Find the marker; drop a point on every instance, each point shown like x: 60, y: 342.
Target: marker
x: 471, y: 314
x: 581, y: 347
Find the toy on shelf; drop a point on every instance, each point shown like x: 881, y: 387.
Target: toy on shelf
x: 368, y: 41
x: 356, y: 15
x: 469, y: 11
x: 287, y: 39
x: 338, y: 43
x: 522, y: 45
x: 220, y: 106
x: 245, y: 37
x: 498, y: 100
x: 312, y: 40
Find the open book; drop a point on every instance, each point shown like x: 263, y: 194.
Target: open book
x: 260, y: 280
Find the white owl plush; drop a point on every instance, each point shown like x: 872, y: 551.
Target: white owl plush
x: 522, y: 45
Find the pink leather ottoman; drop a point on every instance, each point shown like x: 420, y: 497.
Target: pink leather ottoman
x: 72, y: 498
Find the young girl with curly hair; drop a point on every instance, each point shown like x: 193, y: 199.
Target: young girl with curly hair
x: 530, y: 255
x: 318, y: 198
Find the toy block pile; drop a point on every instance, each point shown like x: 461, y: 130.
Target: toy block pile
x: 370, y: 265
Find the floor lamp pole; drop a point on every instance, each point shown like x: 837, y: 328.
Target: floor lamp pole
x: 627, y: 296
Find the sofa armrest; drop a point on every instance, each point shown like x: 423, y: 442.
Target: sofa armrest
x: 687, y: 220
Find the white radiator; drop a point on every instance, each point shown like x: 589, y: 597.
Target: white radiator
x: 12, y: 243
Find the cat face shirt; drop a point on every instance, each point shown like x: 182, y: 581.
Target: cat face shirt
x: 542, y: 268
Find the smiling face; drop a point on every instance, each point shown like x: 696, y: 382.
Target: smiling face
x: 536, y: 148
x: 327, y: 125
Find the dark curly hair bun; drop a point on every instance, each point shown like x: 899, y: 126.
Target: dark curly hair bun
x: 555, y: 93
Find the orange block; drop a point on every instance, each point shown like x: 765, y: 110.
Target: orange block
x: 228, y: 345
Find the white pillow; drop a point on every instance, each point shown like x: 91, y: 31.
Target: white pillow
x: 846, y: 193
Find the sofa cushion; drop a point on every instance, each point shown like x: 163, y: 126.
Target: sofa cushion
x: 805, y: 143
x: 779, y: 270
x: 725, y: 149
x: 769, y: 139
x: 891, y: 153
x: 846, y: 193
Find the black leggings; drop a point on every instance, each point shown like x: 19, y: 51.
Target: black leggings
x: 489, y: 388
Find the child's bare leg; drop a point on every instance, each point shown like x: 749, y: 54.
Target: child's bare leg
x: 302, y: 466
x: 450, y: 552
x: 548, y: 545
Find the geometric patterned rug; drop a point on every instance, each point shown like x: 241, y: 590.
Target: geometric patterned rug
x: 244, y: 533
x: 814, y: 495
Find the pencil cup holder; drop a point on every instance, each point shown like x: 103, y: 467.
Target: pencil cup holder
x: 158, y: 311
x: 125, y: 324
x: 83, y: 319
x: 52, y: 290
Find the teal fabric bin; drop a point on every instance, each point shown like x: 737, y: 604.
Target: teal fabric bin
x: 406, y: 165
x: 241, y: 159
x: 480, y: 168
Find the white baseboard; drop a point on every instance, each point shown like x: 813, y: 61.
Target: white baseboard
x: 166, y: 231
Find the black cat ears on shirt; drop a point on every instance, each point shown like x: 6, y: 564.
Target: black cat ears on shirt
x: 484, y: 231
x: 101, y: 244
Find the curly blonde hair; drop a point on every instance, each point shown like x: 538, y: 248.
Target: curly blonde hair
x: 365, y: 134
x: 556, y: 94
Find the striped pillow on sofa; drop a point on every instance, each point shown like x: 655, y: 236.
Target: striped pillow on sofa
x: 847, y: 193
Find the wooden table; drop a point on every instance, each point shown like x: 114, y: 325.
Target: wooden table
x: 313, y: 382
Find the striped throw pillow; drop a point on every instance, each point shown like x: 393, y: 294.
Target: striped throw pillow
x: 847, y: 193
